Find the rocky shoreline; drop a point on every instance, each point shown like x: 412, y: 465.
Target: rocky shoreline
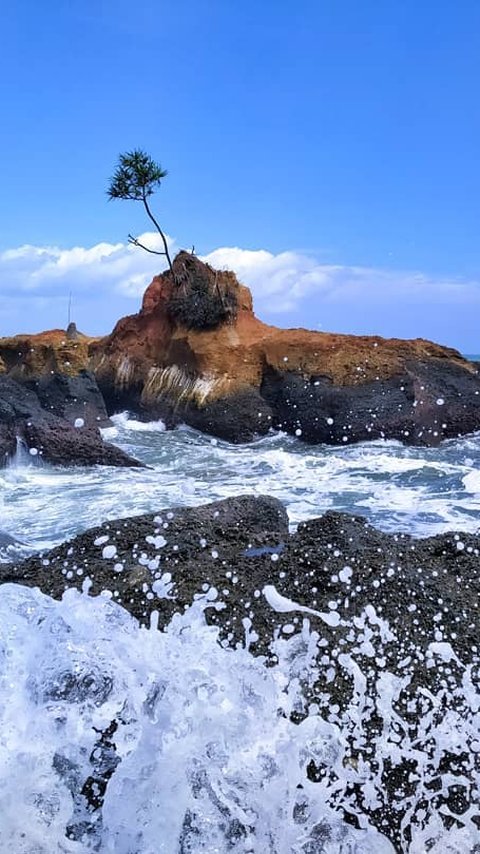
x: 395, y: 623
x: 383, y: 629
x: 237, y: 381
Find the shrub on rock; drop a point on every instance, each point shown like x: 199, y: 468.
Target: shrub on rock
x: 200, y: 300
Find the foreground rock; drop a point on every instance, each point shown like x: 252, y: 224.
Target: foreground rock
x: 25, y: 423
x: 241, y: 379
x: 394, y: 658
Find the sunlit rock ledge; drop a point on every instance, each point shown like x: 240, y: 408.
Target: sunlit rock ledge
x: 244, y: 378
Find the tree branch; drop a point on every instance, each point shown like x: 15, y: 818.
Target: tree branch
x: 135, y: 242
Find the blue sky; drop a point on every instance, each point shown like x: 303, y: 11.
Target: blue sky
x: 341, y: 137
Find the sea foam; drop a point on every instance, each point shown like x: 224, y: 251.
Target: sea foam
x: 121, y: 739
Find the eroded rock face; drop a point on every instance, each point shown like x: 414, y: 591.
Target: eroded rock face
x: 50, y: 401
x: 394, y: 659
x: 244, y: 378
x: 47, y: 436
x: 55, y: 365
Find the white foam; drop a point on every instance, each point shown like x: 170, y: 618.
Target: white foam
x: 124, y: 421
x: 471, y: 481
x: 204, y: 745
x: 208, y: 761
x: 417, y: 490
x: 283, y: 605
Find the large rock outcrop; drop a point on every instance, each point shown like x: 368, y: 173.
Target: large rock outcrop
x: 50, y: 402
x: 243, y: 378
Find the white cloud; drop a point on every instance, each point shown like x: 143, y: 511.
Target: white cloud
x: 114, y: 267
x: 285, y: 280
x: 108, y: 279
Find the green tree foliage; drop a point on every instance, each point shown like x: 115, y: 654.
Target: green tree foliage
x: 136, y: 178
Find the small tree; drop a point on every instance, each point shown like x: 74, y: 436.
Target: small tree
x: 136, y: 177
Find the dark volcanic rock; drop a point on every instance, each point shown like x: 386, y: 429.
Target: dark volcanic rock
x: 55, y: 365
x: 321, y: 412
x: 61, y: 444
x: 72, y: 397
x: 418, y: 586
x: 52, y: 438
x: 240, y: 418
x: 395, y: 658
x: 178, y: 540
x: 430, y: 401
x: 8, y: 440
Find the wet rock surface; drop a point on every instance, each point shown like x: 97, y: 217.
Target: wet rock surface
x: 55, y: 365
x: 429, y: 401
x: 395, y: 653
x: 240, y: 418
x: 419, y: 586
x: 72, y: 397
x: 50, y: 437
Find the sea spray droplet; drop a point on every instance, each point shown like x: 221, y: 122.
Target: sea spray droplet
x: 345, y: 574
x: 283, y: 605
x: 158, y: 541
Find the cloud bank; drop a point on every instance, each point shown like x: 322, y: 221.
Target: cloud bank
x: 289, y: 288
x: 287, y: 279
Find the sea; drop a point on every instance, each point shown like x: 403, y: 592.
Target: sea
x: 421, y: 491
x: 221, y: 735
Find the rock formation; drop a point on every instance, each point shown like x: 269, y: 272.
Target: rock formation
x: 25, y: 423
x: 241, y: 379
x: 50, y: 402
x: 55, y: 365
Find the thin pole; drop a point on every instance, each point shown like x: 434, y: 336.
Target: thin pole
x: 69, y: 308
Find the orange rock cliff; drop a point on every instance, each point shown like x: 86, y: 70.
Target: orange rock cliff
x: 244, y: 377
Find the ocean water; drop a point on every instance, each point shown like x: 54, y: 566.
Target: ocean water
x: 206, y: 756
x: 417, y: 490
